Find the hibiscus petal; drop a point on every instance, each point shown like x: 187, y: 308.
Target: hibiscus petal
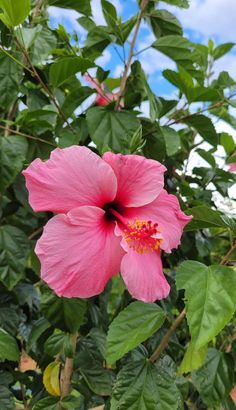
x: 79, y: 252
x: 165, y: 210
x: 140, y: 180
x: 143, y: 276
x: 72, y: 177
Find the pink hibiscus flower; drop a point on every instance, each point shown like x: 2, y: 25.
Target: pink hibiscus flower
x: 113, y: 216
x: 103, y: 98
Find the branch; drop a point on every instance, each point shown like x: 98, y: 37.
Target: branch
x: 209, y: 108
x: 165, y: 341
x: 131, y: 52
x: 37, y: 9
x: 67, y: 372
x: 28, y: 136
x: 167, y: 337
x: 226, y: 257
x: 10, y: 116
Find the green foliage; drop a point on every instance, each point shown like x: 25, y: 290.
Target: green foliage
x: 215, y: 379
x: 136, y: 381
x: 108, y: 341
x: 8, y: 347
x: 65, y: 314
x: 67, y: 67
x: 13, y: 13
x: 131, y: 327
x: 209, y: 311
x: 109, y: 128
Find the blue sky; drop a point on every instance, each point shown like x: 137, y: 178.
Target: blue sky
x: 204, y: 19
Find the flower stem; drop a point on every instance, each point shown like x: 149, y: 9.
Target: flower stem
x: 66, y: 374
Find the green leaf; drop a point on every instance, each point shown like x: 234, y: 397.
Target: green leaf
x: 13, y: 150
x: 164, y: 23
x: 140, y: 385
x: 75, y: 99
x: 207, y: 156
x: 39, y: 327
x: 155, y: 147
x: 54, y: 344
x: 227, y: 142
x: 204, y: 126
x: 205, y: 217
x: 81, y: 6
x: 49, y: 403
x: 175, y: 47
x: 63, y: 313
x: 109, y: 12
x: 10, y: 74
x: 138, y: 90
x: 172, y: 140
x: 9, y: 319
x: 180, y: 3
x: 193, y: 359
x: 27, y: 36
x: 199, y: 93
x: 14, y: 12
x: 14, y: 252
x: 112, y: 129
x: 42, y: 46
x: 216, y: 378
x: 98, y: 379
x: 137, y: 141
x: 222, y: 49
x: 8, y: 347
x: 71, y: 402
x: 212, y: 307
x: 66, y: 67
x: 7, y: 401
x: 131, y: 327
x: 182, y: 80
x: 97, y: 40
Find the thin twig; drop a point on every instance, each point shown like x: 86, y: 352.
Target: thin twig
x: 131, y: 52
x: 226, y: 257
x: 24, y: 398
x: 44, y: 86
x: 142, y: 50
x: 35, y: 233
x: 209, y: 108
x: 10, y: 117
x: 15, y: 60
x: 29, y: 136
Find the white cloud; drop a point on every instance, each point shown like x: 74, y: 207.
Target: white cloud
x: 226, y: 63
x: 66, y: 17
x: 118, y: 70
x: 104, y: 58
x: 211, y: 18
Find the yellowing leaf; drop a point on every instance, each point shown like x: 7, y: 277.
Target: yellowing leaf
x: 51, y: 379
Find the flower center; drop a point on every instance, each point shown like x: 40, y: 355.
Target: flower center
x: 142, y: 236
